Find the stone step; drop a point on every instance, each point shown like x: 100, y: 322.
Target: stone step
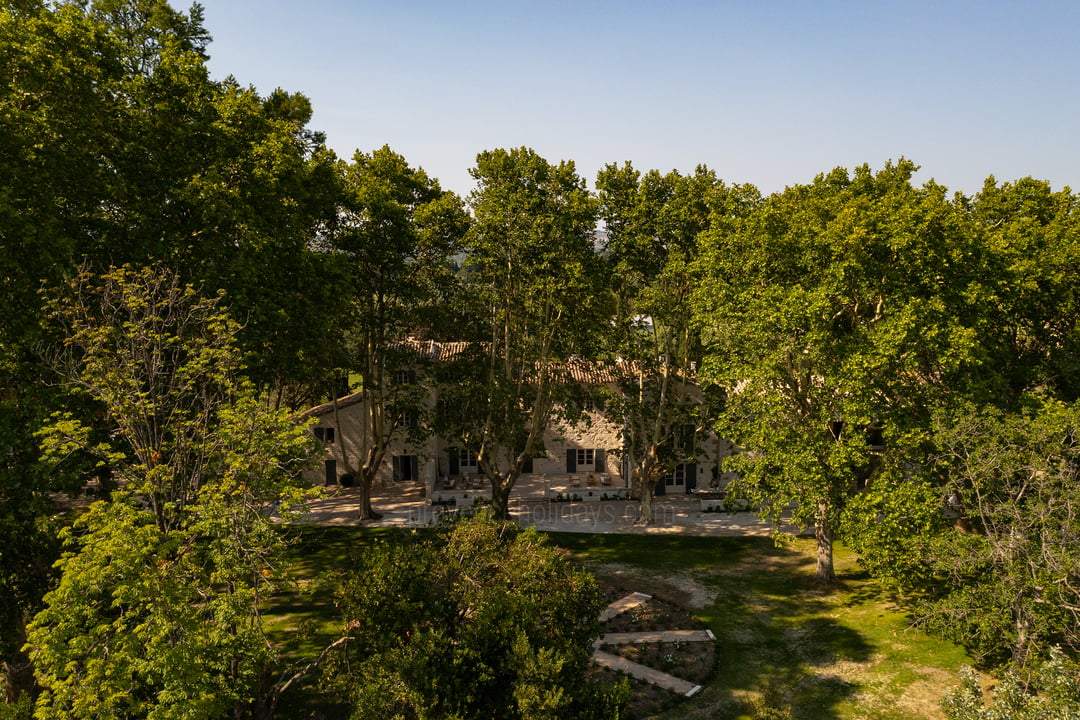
x: 629, y: 602
x: 628, y: 638
x: 647, y: 674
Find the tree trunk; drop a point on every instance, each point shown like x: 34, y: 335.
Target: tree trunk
x: 825, y: 572
x: 500, y: 497
x: 1022, y: 646
x: 645, y: 507
x: 366, y: 511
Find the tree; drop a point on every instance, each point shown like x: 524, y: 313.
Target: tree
x: 834, y: 315
x: 159, y: 361
x: 652, y: 224
x: 115, y: 146
x: 1006, y: 582
x: 1052, y: 691
x: 158, y: 607
x: 396, y: 230
x: 1030, y: 333
x: 531, y: 276
x: 483, y: 620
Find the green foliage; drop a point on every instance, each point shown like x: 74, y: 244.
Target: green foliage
x: 833, y: 310
x: 118, y: 148
x: 1010, y: 586
x: 653, y: 222
x: 531, y: 281
x: 893, y: 525
x: 1029, y: 327
x: 160, y: 361
x: 485, y: 620
x: 157, y: 610
x: 1050, y: 692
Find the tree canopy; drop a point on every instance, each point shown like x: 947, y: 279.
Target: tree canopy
x: 531, y: 291
x: 184, y: 266
x: 157, y: 611
x: 484, y: 620
x: 832, y: 314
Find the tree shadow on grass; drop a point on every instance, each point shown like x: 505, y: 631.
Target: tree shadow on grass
x: 781, y: 639
x: 795, y: 662
x: 781, y: 635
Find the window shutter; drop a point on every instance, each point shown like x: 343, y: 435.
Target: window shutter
x: 661, y: 487
x: 571, y: 460
x: 395, y: 461
x: 600, y: 463
x: 453, y: 457
x: 691, y: 477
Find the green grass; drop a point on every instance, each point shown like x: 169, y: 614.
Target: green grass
x: 843, y: 652
x: 302, y: 617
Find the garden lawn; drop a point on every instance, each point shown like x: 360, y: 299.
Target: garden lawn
x: 782, y: 641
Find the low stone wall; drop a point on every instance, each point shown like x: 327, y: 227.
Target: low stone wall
x: 718, y: 505
x: 449, y: 498
x: 587, y: 494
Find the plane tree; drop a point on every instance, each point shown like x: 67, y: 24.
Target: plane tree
x: 835, y: 315
x: 997, y: 571
x: 652, y: 222
x: 395, y: 233
x: 531, y: 283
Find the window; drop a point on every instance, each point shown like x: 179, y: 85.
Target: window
x: 685, y: 438
x: 324, y: 434
x: 676, y: 477
x: 405, y: 377
x: 585, y: 456
x: 466, y: 458
x: 409, y: 418
x: 593, y: 404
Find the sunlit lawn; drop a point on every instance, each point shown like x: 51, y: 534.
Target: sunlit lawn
x: 842, y: 652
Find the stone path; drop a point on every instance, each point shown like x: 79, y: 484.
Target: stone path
x: 643, y: 672
x: 637, y: 670
x: 629, y: 602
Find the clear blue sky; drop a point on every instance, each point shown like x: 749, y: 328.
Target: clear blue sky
x: 761, y: 91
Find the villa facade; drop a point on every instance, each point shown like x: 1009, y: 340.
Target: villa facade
x: 587, y: 453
